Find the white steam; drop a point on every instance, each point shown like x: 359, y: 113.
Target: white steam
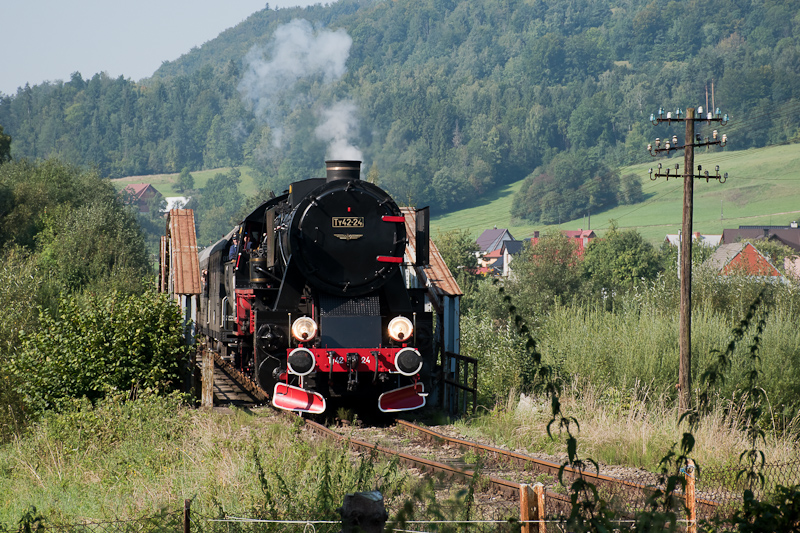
x: 295, y: 53
x: 339, y: 126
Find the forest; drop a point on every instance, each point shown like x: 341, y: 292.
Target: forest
x: 444, y: 100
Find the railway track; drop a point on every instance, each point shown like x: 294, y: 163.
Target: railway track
x: 456, y: 459
x: 502, y: 471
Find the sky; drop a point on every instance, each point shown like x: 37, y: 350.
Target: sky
x: 48, y: 40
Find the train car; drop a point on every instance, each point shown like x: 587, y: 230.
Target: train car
x: 309, y: 296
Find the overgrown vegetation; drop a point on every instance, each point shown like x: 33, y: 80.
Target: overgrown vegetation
x: 79, y: 321
x: 122, y: 459
x: 99, y: 344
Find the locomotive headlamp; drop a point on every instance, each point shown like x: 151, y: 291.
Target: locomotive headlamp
x: 304, y: 329
x: 400, y: 328
x: 300, y: 362
x: 408, y: 361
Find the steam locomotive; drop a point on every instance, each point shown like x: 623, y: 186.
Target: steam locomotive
x: 309, y: 296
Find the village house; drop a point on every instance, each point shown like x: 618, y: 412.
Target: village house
x: 493, y: 239
x: 697, y: 238
x: 512, y: 248
x: 140, y: 195
x: 741, y: 258
x: 786, y: 235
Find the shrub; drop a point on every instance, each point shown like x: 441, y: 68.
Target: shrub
x: 97, y: 344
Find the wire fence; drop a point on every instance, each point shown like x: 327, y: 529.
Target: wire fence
x: 158, y: 523
x: 725, y: 486
x: 718, y: 492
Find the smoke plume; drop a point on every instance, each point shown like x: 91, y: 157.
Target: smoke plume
x: 339, y: 125
x: 295, y: 53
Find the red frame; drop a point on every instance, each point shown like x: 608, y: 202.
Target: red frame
x: 385, y: 358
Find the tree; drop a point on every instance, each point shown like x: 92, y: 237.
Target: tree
x: 185, y: 181
x: 5, y: 147
x: 545, y: 273
x: 218, y: 204
x: 458, y: 250
x: 572, y: 184
x: 620, y: 258
x: 630, y: 190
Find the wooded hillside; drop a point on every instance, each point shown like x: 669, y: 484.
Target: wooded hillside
x: 445, y: 99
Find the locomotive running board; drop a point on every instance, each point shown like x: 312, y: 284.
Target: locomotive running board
x: 291, y: 398
x: 402, y: 399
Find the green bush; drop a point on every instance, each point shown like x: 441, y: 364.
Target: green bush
x: 98, y: 344
x: 502, y: 367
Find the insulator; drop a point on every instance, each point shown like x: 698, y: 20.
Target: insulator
x: 714, y: 134
x: 667, y: 146
x: 649, y: 147
x: 700, y: 110
x: 674, y: 140
x: 669, y: 115
x: 658, y: 142
x: 724, y: 137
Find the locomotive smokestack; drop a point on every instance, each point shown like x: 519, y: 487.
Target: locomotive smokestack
x: 340, y: 170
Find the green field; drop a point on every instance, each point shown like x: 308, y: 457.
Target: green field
x: 164, y: 183
x: 763, y: 187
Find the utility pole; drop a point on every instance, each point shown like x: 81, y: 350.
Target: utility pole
x: 690, y: 142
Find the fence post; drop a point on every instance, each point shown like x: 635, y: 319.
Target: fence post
x: 207, y: 394
x: 187, y: 505
x: 525, y: 497
x: 691, y: 509
x: 538, y: 491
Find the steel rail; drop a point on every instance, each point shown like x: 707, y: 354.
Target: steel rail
x: 508, y: 488
x: 532, y: 463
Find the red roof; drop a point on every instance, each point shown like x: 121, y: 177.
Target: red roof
x: 138, y: 189
x: 742, y: 258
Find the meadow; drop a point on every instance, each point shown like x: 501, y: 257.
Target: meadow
x: 763, y: 187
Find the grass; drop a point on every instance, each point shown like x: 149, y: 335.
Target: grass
x: 164, y: 183
x: 635, y: 428
x: 762, y: 188
x: 621, y: 369
x: 123, y: 460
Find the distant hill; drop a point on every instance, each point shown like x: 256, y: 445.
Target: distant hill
x: 763, y: 188
x: 446, y: 101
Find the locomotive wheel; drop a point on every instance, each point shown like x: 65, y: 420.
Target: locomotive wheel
x: 266, y: 374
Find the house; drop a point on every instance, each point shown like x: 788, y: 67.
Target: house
x: 493, y: 239
x: 581, y: 238
x: 487, y: 260
x: 697, y: 238
x: 741, y: 258
x: 141, y: 194
x: 511, y: 249
x: 787, y: 235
